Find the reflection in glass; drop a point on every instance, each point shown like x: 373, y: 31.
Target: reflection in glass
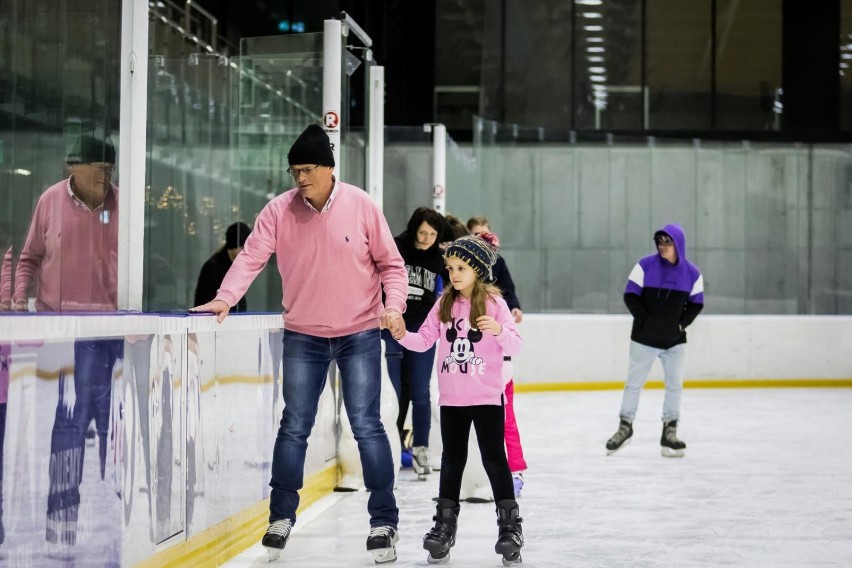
x: 84, y: 397
x: 608, y: 90
x: 679, y: 64
x: 5, y: 363
x: 748, y: 65
x: 846, y: 65
x: 70, y: 255
x: 59, y: 84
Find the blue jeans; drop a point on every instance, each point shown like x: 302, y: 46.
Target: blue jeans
x: 305, y: 368
x: 93, y: 363
x: 641, y: 359
x: 415, y: 369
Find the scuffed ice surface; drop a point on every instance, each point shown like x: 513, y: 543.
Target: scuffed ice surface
x: 765, y: 482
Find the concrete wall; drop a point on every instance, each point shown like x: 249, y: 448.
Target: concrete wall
x: 768, y: 224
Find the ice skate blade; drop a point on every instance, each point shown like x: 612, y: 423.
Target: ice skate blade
x: 421, y: 470
x: 384, y: 555
x: 421, y: 477
x: 274, y: 553
x: 433, y: 560
x: 512, y: 560
x: 621, y: 447
x: 671, y: 453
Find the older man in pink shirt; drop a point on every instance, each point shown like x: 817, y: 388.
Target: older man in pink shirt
x: 70, y: 256
x: 334, y: 252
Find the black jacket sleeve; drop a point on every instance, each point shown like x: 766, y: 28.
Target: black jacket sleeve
x: 637, y: 309
x: 503, y: 280
x: 208, y: 284
x: 690, y: 312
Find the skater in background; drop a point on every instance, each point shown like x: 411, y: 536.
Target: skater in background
x: 411, y: 371
x: 214, y: 270
x: 335, y: 252
x: 664, y: 293
x: 455, y: 230
x: 503, y: 280
x: 473, y: 328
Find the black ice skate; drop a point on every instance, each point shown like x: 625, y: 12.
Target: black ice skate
x: 382, y: 543
x: 621, y: 437
x: 441, y: 538
x: 510, y: 537
x: 420, y: 461
x: 670, y: 445
x: 276, y: 537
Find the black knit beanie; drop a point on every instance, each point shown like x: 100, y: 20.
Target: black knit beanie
x: 311, y: 147
x: 479, y: 253
x: 236, y: 235
x: 90, y: 150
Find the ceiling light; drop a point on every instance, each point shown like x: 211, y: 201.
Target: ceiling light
x: 594, y: 39
x: 593, y: 28
x: 589, y: 2
x: 595, y: 49
x: 597, y: 78
x: 595, y: 58
x: 597, y: 69
x: 592, y: 15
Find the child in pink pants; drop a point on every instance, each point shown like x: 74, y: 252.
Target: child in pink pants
x: 514, y: 451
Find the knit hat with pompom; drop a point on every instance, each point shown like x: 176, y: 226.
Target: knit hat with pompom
x: 478, y: 251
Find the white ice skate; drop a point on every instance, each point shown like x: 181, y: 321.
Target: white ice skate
x: 420, y: 462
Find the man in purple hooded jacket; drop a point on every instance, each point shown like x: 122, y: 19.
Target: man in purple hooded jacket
x: 664, y: 293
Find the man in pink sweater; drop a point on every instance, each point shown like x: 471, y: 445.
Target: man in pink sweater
x: 71, y: 256
x: 334, y: 252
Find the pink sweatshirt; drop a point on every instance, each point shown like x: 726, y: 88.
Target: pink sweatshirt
x: 72, y: 254
x: 331, y: 263
x: 6, y: 277
x: 470, y: 365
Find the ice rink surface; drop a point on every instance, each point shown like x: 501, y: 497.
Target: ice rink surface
x: 766, y: 482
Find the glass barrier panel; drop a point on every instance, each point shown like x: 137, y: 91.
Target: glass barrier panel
x: 59, y: 114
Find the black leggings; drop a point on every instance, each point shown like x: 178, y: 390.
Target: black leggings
x: 489, y: 422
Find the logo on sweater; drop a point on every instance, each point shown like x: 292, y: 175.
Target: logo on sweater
x: 462, y: 353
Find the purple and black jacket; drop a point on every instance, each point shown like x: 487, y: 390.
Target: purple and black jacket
x: 664, y: 298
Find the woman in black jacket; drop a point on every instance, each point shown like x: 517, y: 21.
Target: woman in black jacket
x: 411, y: 372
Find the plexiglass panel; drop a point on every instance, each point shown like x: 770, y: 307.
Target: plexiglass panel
x: 765, y: 222
x: 219, y: 130
x: 59, y: 107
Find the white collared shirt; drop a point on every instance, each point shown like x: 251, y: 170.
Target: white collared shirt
x: 77, y: 200
x: 327, y: 203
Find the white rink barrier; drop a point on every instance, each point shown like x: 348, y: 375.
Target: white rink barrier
x: 176, y: 469
x: 591, y: 351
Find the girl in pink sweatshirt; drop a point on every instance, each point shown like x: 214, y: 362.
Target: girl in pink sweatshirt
x: 474, y: 330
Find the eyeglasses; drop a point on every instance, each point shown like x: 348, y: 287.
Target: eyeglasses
x: 307, y: 170
x: 103, y: 170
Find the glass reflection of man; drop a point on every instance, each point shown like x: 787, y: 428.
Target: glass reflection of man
x: 70, y: 255
x: 5, y: 372
x: 5, y: 351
